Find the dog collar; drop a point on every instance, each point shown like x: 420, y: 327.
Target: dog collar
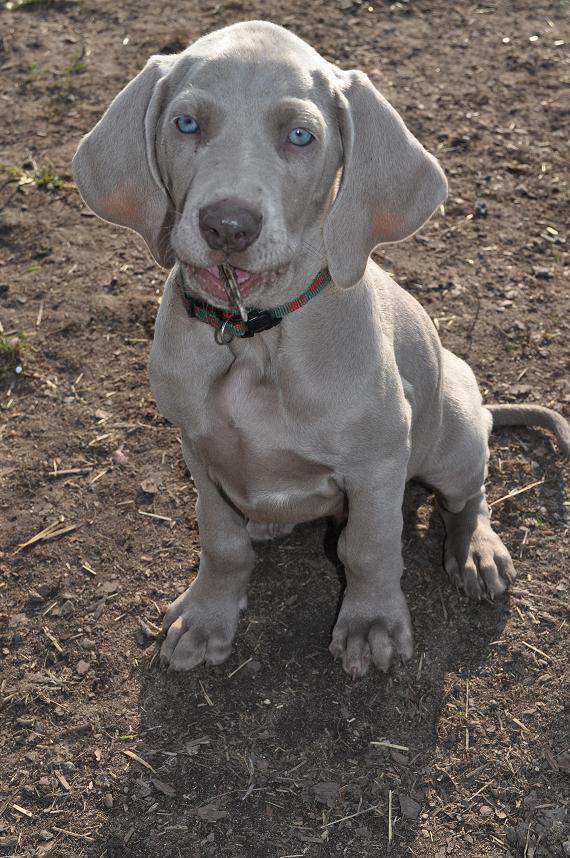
x: 230, y: 325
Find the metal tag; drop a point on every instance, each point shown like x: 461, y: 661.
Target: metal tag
x: 232, y: 288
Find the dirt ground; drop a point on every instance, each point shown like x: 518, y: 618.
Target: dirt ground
x: 272, y: 753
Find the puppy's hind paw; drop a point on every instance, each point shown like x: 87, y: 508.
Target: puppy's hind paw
x: 479, y: 563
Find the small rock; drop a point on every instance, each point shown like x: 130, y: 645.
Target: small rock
x: 480, y: 209
x: 485, y: 810
x: 164, y: 788
x: 87, y: 643
x: 410, y: 808
x: 149, y: 487
x: 522, y: 191
x: 82, y: 667
x: 144, y: 632
x: 211, y: 813
x: 119, y: 458
x: 542, y: 273
x: 67, y: 608
x: 99, y: 607
x: 520, y: 389
x: 45, y: 834
x: 326, y: 792
x: 108, y: 800
x: 35, y: 598
x: 18, y: 621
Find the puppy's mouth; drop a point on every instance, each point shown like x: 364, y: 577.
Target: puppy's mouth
x: 211, y: 280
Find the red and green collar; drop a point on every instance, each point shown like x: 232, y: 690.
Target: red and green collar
x: 231, y: 325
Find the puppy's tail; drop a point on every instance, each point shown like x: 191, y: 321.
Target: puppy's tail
x: 533, y: 415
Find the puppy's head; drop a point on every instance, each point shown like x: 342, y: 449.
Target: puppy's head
x: 249, y: 148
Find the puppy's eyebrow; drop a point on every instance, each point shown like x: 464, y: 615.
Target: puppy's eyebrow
x: 194, y: 101
x: 297, y: 106
x: 297, y: 110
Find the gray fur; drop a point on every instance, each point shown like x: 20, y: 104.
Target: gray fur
x: 332, y: 411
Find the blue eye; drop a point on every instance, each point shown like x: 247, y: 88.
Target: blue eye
x: 300, y: 137
x: 187, y: 124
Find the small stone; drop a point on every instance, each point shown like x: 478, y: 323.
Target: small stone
x: 45, y: 834
x: 410, y: 808
x: 144, y: 632
x: 480, y: 209
x: 108, y: 800
x: 326, y: 792
x: 149, y: 487
x: 119, y: 458
x: 82, y: 667
x: 87, y: 643
x: 485, y: 810
x: 542, y: 273
x: 17, y: 621
x: 67, y: 608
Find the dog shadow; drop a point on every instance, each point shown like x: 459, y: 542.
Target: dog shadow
x: 266, y: 754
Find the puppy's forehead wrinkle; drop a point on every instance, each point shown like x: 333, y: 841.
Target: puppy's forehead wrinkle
x: 249, y: 79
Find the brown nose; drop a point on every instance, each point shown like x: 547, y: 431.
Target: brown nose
x: 229, y: 225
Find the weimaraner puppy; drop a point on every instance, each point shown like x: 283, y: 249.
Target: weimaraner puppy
x: 249, y: 150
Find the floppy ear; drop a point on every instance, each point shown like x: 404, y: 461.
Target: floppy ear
x: 390, y: 185
x: 115, y: 165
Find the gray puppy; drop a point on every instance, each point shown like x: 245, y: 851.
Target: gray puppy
x: 249, y: 149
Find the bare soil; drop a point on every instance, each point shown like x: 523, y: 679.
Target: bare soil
x: 272, y: 754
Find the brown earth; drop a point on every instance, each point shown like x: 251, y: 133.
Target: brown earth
x: 101, y: 754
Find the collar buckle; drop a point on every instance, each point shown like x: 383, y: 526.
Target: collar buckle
x: 259, y: 320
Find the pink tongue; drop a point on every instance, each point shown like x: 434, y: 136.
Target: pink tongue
x: 240, y: 275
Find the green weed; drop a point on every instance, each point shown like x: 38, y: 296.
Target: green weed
x: 10, y: 357
x: 43, y: 177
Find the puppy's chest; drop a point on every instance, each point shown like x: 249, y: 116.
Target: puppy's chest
x: 267, y: 462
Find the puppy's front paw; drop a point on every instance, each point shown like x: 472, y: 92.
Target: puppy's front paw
x: 372, y: 630
x: 200, y: 629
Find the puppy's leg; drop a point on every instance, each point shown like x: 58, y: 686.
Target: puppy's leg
x: 202, y: 622
x: 374, y: 622
x: 475, y: 557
